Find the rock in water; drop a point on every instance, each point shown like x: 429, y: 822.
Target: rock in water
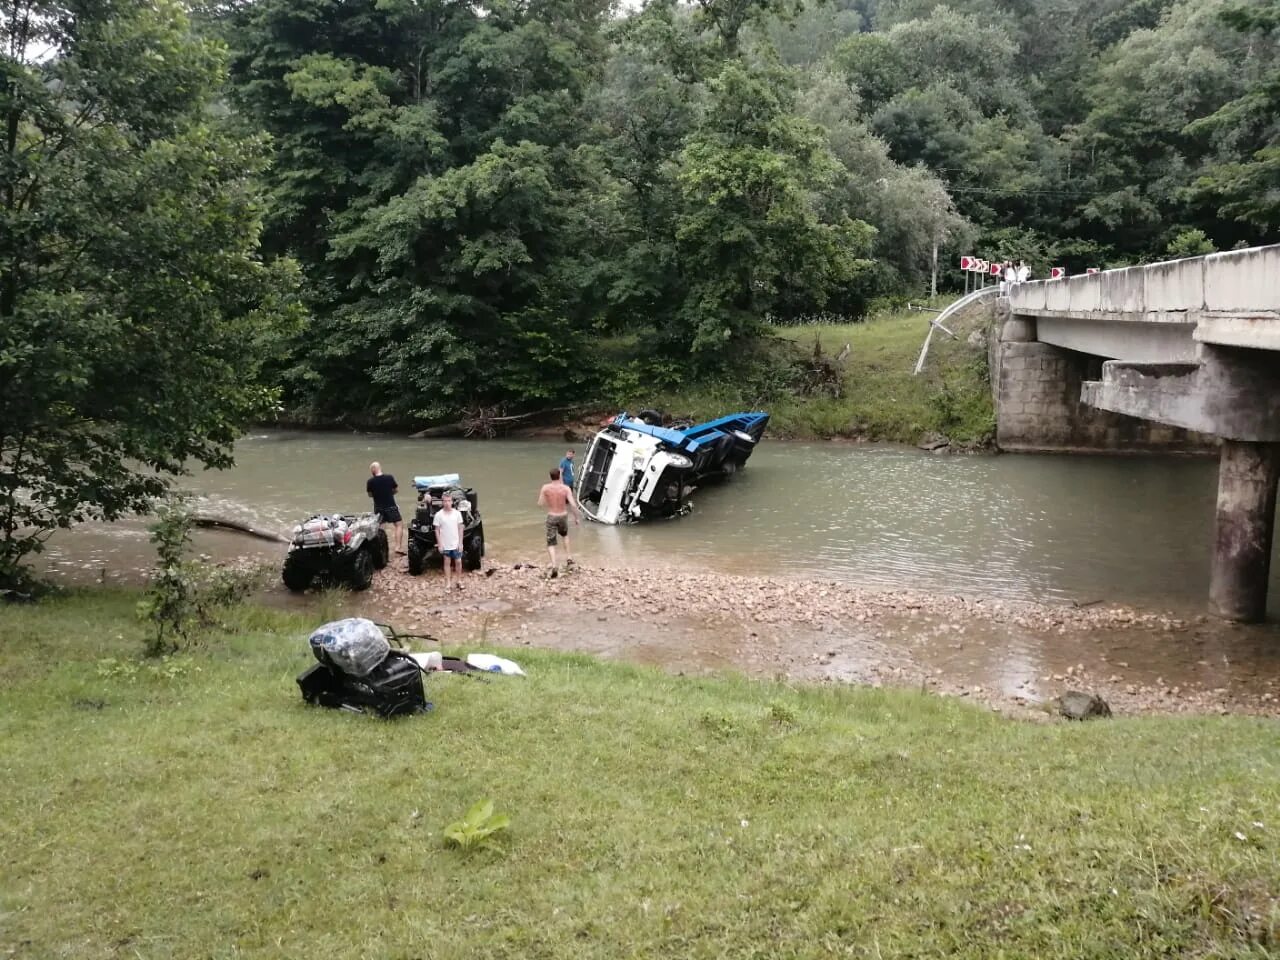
x: 1075, y: 705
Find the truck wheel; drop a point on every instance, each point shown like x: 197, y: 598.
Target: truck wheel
x: 297, y: 574
x: 652, y: 417
x: 417, y: 559
x: 381, y: 550
x: 361, y: 574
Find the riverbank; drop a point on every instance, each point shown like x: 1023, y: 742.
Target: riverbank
x: 197, y: 807
x: 1013, y: 656
x: 878, y: 395
x: 797, y: 374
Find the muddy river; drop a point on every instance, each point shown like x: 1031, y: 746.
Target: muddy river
x: 1127, y: 530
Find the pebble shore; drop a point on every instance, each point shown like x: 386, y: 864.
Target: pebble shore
x: 1015, y: 656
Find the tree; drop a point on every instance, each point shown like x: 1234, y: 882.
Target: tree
x: 909, y: 206
x: 134, y: 310
x: 1244, y: 178
x: 1137, y: 153
x: 750, y: 234
x: 434, y: 177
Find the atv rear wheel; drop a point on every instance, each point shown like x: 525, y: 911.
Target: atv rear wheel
x: 417, y: 557
x: 360, y: 575
x: 297, y: 573
x: 380, y: 550
x: 472, y: 551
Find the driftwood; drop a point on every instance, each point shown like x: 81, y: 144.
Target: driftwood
x: 485, y: 422
x: 219, y: 523
x: 441, y: 432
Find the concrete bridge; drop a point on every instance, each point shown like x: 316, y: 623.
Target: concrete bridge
x: 1188, y: 354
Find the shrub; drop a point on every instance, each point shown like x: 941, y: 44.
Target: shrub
x: 184, y: 595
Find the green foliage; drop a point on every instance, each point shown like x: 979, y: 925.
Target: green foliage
x: 432, y: 176
x: 750, y: 235
x: 884, y: 821
x: 478, y: 198
x: 1244, y: 181
x: 477, y: 828
x: 161, y: 669
x: 782, y: 714
x: 1189, y: 243
x: 185, y: 595
x: 135, y: 311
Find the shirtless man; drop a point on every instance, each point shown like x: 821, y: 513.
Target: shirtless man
x: 559, y: 502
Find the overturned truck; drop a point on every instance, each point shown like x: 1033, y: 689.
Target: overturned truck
x: 636, y: 468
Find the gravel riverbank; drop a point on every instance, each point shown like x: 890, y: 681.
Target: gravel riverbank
x: 1014, y: 656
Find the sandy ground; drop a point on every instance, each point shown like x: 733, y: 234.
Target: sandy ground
x: 1014, y: 656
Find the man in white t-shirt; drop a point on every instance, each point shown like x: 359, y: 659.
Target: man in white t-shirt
x: 448, y: 524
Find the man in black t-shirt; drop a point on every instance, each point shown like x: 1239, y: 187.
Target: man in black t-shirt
x: 382, y: 487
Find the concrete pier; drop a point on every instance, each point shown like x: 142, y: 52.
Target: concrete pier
x: 1247, y: 478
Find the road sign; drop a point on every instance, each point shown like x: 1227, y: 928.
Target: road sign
x: 1057, y: 273
x: 995, y: 269
x: 966, y: 263
x: 1092, y: 270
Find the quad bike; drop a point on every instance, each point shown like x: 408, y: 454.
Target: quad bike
x: 422, y: 532
x: 336, y: 550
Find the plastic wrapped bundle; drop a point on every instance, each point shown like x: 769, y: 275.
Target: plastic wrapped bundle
x: 320, y: 532
x: 355, y: 645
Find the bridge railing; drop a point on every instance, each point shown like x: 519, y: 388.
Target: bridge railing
x: 1173, y: 291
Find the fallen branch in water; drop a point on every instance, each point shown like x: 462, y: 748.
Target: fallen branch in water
x: 484, y: 422
x: 221, y: 524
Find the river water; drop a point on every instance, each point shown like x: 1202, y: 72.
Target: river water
x: 1128, y: 530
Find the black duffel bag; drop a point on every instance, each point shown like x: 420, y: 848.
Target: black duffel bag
x: 391, y: 689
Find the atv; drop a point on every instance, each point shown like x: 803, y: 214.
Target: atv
x: 422, y: 532
x: 336, y: 550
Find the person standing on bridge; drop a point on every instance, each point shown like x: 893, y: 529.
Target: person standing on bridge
x: 1024, y: 272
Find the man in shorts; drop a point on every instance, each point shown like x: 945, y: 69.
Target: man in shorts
x: 382, y: 487
x: 558, y: 501
x: 448, y: 524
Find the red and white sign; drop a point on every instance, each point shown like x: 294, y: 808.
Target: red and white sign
x: 1057, y: 273
x: 1091, y: 270
x: 995, y: 269
x: 966, y: 263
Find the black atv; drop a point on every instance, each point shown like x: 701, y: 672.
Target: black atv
x: 336, y: 550
x: 422, y: 532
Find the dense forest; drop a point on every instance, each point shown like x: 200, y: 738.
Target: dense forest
x: 478, y: 193
x: 393, y: 211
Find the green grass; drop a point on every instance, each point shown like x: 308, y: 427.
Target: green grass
x: 202, y: 811
x: 881, y: 399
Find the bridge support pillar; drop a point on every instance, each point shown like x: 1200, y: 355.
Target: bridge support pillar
x: 1247, y: 480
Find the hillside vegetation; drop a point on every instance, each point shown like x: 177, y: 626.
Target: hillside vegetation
x: 873, y: 394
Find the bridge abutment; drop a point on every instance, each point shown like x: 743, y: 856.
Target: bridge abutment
x: 1038, y: 388
x: 1245, y: 525
x: 1191, y: 345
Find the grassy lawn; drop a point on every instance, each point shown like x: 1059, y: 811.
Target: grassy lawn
x: 200, y: 810
x: 881, y: 399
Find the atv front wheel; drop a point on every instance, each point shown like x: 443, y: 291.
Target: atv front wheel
x: 361, y: 574
x: 297, y: 573
x: 417, y: 558
x: 380, y: 550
